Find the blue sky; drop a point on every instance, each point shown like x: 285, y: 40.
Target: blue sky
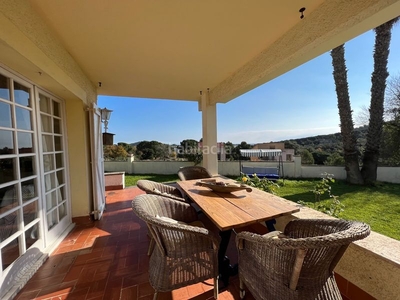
x: 300, y: 103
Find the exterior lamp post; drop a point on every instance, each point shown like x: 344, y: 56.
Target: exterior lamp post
x: 105, y: 116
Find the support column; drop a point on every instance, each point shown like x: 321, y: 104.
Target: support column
x: 297, y: 166
x: 209, y: 124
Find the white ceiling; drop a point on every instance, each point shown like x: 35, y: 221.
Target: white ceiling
x: 172, y: 49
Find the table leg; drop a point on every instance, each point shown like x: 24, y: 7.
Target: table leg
x: 270, y: 225
x: 223, y: 261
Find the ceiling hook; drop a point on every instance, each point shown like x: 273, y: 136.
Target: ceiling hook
x: 301, y: 11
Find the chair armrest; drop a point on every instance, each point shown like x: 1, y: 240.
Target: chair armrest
x: 331, y: 232
x: 270, y: 239
x: 169, y: 195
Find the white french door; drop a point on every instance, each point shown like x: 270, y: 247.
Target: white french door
x: 54, y: 182
x: 20, y: 197
x: 34, y: 190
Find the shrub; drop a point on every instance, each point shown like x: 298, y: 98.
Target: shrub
x: 333, y: 206
x: 259, y: 183
x: 323, y: 186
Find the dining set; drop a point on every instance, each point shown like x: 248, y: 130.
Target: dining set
x: 297, y: 263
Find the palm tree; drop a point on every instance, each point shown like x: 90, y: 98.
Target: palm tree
x: 350, y: 151
x: 368, y: 173
x: 383, y: 34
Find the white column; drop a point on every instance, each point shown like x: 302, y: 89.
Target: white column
x: 209, y: 122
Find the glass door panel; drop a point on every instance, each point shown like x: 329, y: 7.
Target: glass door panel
x: 34, y: 202
x: 19, y: 175
x: 50, y: 117
x: 4, y: 87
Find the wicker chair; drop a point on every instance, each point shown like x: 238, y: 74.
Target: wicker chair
x: 184, y: 254
x: 299, y: 263
x: 193, y: 172
x: 156, y: 188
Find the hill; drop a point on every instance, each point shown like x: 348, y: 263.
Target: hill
x: 134, y: 144
x: 327, y: 144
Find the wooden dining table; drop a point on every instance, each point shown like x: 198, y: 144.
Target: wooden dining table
x: 239, y: 208
x: 235, y: 210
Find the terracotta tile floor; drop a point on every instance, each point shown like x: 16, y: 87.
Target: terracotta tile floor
x: 107, y: 259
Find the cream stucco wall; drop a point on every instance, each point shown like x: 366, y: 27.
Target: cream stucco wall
x: 157, y: 167
x: 79, y: 156
x: 29, y: 47
x: 29, y: 37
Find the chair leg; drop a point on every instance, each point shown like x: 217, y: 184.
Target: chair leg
x: 216, y: 288
x: 155, y: 296
x: 242, y: 292
x: 151, y: 246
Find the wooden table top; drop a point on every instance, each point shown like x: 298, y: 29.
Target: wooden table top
x: 237, y: 209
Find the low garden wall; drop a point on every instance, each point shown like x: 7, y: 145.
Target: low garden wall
x: 114, y: 180
x: 159, y: 167
x: 232, y: 168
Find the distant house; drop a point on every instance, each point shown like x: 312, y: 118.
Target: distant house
x: 287, y: 154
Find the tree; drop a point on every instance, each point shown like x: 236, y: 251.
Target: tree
x: 306, y: 157
x: 319, y: 156
x: 390, y: 147
x: 350, y: 150
x: 190, y: 150
x: 362, y: 117
x: 292, y: 145
x: 383, y: 34
x: 161, y: 151
x: 390, y: 150
x: 147, y: 154
x: 392, y: 99
x: 128, y: 148
x: 236, y: 151
x: 368, y: 172
x: 229, y: 150
x: 335, y: 159
x: 152, y: 150
x: 114, y: 152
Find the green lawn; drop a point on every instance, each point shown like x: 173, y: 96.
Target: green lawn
x: 130, y: 180
x: 378, y: 206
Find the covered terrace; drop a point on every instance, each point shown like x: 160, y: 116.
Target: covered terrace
x: 56, y: 57
x: 209, y: 52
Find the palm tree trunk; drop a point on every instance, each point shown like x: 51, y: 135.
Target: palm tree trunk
x: 350, y: 150
x: 383, y: 35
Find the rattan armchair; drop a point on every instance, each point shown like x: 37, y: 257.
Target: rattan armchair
x: 157, y: 188
x: 299, y: 263
x: 193, y: 172
x: 184, y: 254
x: 161, y: 189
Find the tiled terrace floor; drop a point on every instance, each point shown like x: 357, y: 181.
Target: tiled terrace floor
x: 107, y: 259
